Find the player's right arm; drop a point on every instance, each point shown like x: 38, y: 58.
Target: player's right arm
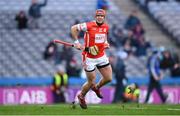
x: 75, y: 33
x: 75, y: 29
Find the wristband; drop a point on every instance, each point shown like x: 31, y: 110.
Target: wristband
x: 76, y: 41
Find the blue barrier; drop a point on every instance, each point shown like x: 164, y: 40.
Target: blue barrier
x: 25, y: 81
x: 40, y: 81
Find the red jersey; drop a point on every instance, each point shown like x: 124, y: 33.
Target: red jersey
x: 94, y: 35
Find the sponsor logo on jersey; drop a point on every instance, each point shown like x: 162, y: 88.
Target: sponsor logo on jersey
x: 100, y: 38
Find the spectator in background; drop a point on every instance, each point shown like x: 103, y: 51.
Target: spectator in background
x: 171, y: 61
x: 118, y: 67
x: 129, y: 43
x: 138, y: 32
x: 59, y: 85
x: 132, y: 21
x: 127, y: 47
x: 65, y: 55
x: 22, y: 20
x: 50, y: 51
x: 167, y: 60
x: 102, y: 4
x: 118, y: 37
x: 35, y: 13
x: 175, y: 70
x: 155, y: 75
x: 142, y: 47
x: 74, y: 67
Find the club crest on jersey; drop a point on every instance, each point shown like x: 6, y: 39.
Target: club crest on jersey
x: 102, y: 29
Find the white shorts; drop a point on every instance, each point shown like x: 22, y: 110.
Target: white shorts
x: 91, y: 63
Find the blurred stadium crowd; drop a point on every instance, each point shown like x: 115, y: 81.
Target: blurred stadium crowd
x: 127, y: 34
x: 26, y: 48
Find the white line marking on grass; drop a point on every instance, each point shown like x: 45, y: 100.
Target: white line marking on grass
x: 134, y: 108
x: 95, y: 106
x: 173, y: 109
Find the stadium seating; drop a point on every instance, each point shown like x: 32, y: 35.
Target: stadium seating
x: 167, y: 13
x: 21, y: 53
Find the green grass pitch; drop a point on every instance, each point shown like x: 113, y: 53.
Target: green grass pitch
x: 106, y: 109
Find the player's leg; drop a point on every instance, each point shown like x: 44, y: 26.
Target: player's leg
x: 106, y: 73
x: 91, y: 75
x: 105, y: 69
x: 85, y: 88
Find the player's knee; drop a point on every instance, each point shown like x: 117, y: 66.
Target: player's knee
x: 90, y: 83
x: 109, y: 79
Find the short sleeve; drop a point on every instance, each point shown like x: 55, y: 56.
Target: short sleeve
x: 82, y: 27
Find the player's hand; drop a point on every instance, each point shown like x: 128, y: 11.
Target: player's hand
x: 94, y: 50
x: 106, y: 46
x: 78, y: 46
